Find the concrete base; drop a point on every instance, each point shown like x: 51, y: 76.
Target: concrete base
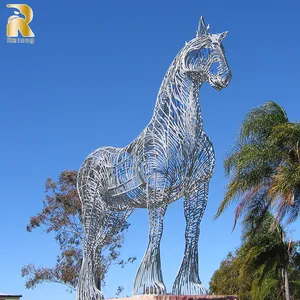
x: 182, y: 297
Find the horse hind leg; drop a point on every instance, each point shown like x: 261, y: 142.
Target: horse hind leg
x: 89, y: 280
x: 93, y: 218
x: 109, y: 224
x: 100, y: 224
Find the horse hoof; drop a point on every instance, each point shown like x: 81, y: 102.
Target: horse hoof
x: 189, y: 288
x: 152, y: 289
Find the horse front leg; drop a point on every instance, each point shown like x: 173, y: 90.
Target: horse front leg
x: 149, y: 278
x: 187, y: 281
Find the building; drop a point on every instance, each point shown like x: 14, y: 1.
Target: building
x: 4, y: 296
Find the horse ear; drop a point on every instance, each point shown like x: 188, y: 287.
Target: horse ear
x: 202, y: 28
x: 222, y: 36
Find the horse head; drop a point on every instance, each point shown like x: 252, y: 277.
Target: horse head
x: 203, y: 58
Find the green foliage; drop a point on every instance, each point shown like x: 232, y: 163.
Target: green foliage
x: 255, y: 270
x: 225, y: 280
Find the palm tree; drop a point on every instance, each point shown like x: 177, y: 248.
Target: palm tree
x: 265, y: 253
x: 264, y: 166
x: 269, y: 257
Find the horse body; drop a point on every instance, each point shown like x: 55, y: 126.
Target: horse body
x: 170, y: 159
x: 128, y: 190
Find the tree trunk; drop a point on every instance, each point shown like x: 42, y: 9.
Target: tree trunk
x: 285, y: 273
x: 286, y: 285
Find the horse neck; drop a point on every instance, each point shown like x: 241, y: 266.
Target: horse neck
x: 178, y: 95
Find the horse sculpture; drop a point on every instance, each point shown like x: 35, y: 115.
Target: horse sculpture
x: 170, y: 159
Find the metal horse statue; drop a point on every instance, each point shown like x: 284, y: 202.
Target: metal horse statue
x: 170, y: 159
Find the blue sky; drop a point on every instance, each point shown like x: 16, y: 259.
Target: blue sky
x: 91, y: 80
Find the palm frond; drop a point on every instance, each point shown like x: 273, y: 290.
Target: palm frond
x: 259, y: 121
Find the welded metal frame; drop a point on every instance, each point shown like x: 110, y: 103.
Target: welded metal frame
x: 170, y: 159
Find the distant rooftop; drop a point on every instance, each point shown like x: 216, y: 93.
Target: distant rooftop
x: 9, y: 296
